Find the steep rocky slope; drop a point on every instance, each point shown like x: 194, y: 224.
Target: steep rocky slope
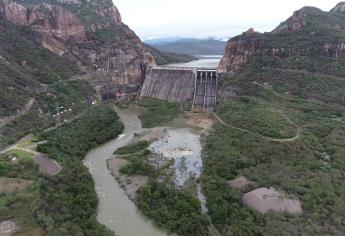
x: 309, y: 32
x: 89, y: 33
x: 45, y: 43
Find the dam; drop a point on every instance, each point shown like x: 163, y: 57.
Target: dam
x: 198, y: 86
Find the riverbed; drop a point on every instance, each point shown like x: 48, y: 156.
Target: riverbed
x: 183, y: 147
x: 115, y: 209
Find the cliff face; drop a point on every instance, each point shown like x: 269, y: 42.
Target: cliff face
x: 308, y: 32
x: 90, y: 33
x: 239, y: 49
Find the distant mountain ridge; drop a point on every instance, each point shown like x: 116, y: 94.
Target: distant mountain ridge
x: 190, y: 46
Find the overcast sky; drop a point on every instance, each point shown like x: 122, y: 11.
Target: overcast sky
x: 204, y: 18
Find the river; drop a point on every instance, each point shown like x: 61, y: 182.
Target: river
x: 115, y: 209
x: 208, y: 61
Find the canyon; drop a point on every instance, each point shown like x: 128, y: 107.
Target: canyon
x: 273, y: 109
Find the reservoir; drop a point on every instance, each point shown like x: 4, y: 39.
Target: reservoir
x: 208, y: 61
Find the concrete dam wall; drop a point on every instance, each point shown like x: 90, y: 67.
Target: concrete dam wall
x: 169, y: 84
x: 181, y: 85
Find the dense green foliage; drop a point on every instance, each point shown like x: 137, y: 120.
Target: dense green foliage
x: 67, y: 202
x: 132, y: 148
x: 172, y: 209
x: 17, y: 205
x: 169, y: 208
x: 258, y: 118
x: 137, y: 154
x: 23, y: 64
x: 310, y: 168
x: 65, y: 94
x: 157, y: 112
x: 163, y: 58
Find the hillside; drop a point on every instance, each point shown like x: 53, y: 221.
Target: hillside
x: 282, y: 127
x: 163, y: 58
x: 44, y: 43
x: 193, y: 46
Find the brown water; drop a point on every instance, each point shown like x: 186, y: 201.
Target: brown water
x: 115, y: 210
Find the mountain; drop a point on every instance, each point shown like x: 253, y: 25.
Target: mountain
x: 163, y: 58
x: 281, y: 131
x: 61, y: 52
x: 310, y: 32
x: 160, y: 41
x: 191, y: 46
x: 89, y: 33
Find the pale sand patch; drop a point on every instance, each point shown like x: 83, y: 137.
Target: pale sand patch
x: 130, y: 184
x: 241, y: 183
x: 200, y: 120
x: 265, y: 200
x: 10, y: 185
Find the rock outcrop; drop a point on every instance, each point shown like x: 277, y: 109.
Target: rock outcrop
x: 308, y: 32
x: 340, y: 7
x: 239, y: 49
x: 89, y: 33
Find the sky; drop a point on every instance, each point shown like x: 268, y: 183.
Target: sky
x: 209, y: 18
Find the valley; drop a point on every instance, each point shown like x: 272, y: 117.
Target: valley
x: 102, y: 134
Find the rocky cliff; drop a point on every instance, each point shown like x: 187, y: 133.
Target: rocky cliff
x: 308, y: 32
x: 90, y: 33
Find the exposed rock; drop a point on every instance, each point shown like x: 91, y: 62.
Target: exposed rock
x: 238, y: 51
x: 340, y: 7
x: 241, y: 183
x: 266, y: 200
x: 104, y: 49
x: 296, y: 22
x: 46, y: 19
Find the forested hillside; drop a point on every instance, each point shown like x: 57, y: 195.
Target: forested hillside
x: 280, y: 124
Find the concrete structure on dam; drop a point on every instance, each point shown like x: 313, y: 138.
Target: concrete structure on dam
x: 196, y: 85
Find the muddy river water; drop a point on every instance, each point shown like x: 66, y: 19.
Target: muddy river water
x: 115, y: 210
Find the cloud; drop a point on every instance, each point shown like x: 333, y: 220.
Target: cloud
x: 203, y: 18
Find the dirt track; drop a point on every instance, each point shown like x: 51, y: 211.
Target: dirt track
x: 298, y: 131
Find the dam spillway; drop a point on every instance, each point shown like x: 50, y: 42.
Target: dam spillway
x: 182, y: 84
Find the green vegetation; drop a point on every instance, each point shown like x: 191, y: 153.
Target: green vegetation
x: 113, y: 34
x: 67, y: 202
x: 20, y: 154
x: 163, y: 58
x: 17, y: 205
x: 172, y: 209
x: 64, y: 204
x: 137, y: 155
x: 33, y: 121
x: 157, y: 112
x: 169, y: 208
x: 132, y: 148
x: 64, y: 94
x: 308, y: 168
x: 24, y: 66
x: 257, y: 117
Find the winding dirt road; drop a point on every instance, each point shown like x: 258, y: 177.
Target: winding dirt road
x: 298, y: 131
